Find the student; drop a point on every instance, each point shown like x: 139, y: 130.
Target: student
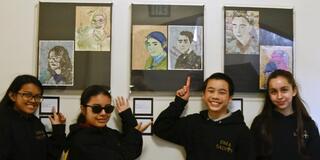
x: 22, y: 135
x: 284, y: 129
x: 91, y: 139
x: 214, y: 133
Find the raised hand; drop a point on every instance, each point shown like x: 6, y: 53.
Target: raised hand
x: 141, y: 127
x: 184, y: 92
x: 122, y: 104
x: 57, y: 118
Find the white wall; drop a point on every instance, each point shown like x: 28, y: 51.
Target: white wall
x: 18, y: 40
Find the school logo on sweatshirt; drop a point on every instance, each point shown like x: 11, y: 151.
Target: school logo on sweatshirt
x: 40, y: 135
x: 225, y: 146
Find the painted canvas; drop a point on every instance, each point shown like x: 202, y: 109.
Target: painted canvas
x: 241, y: 32
x: 149, y: 47
x: 185, y: 47
x: 56, y: 63
x: 92, y: 32
x: 273, y: 58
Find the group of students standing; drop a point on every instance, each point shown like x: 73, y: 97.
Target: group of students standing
x: 283, y: 129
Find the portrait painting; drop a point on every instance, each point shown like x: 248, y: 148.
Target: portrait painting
x: 273, y: 58
x: 185, y: 47
x: 149, y: 47
x: 56, y: 63
x: 241, y: 32
x: 92, y: 28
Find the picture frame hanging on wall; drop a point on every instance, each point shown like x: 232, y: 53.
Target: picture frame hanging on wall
x: 257, y: 42
x: 152, y: 62
x: 49, y: 104
x: 84, y: 30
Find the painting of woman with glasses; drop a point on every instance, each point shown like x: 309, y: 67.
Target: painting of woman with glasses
x: 56, y: 63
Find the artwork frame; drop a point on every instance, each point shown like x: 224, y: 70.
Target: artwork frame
x: 144, y: 120
x: 236, y: 104
x: 143, y: 106
x: 47, y: 124
x: 57, y: 21
x: 56, y: 62
x: 46, y: 106
x: 269, y: 26
x: 154, y: 78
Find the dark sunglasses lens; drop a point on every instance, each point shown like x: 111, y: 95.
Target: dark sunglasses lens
x: 96, y: 109
x: 109, y: 108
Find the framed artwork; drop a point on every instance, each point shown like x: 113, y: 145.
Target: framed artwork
x: 149, y: 41
x: 47, y: 124
x: 92, y: 32
x: 251, y: 35
x: 56, y: 63
x: 236, y: 104
x: 155, y: 48
x: 84, y: 31
x: 185, y: 47
x: 49, y: 104
x: 273, y: 58
x: 143, y: 106
x: 146, y: 120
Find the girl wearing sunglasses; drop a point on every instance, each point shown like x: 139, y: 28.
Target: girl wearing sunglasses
x: 91, y: 138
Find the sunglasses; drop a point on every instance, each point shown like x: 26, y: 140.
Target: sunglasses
x: 97, y: 108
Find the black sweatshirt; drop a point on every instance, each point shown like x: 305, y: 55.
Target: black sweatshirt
x: 203, y: 138
x: 92, y: 143
x: 23, y: 137
x: 284, y: 139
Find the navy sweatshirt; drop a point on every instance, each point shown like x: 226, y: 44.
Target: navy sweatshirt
x: 284, y: 138
x: 23, y: 137
x: 202, y: 138
x: 92, y: 143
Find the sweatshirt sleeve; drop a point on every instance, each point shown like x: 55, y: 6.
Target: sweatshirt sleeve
x: 169, y: 125
x: 131, y: 141
x: 56, y: 142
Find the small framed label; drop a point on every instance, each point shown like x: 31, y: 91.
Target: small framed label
x: 143, y: 106
x: 49, y: 104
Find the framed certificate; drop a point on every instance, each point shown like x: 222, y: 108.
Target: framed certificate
x: 236, y: 104
x: 49, y: 104
x: 143, y: 106
x: 144, y: 121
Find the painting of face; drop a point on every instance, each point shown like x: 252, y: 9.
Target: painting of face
x: 96, y: 119
x: 183, y: 43
x: 241, y: 29
x: 216, y: 97
x: 54, y: 60
x: 98, y: 21
x: 154, y: 47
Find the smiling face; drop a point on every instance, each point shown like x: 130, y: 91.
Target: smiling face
x: 216, y: 96
x: 96, y: 119
x: 154, y: 47
x: 21, y: 101
x: 281, y: 93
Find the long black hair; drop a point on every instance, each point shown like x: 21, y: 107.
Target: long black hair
x: 88, y: 93
x: 16, y: 85
x: 298, y: 107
